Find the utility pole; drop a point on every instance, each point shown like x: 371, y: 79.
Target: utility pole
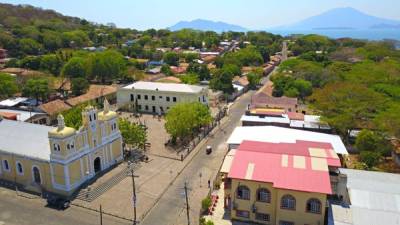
x: 101, y: 216
x: 134, y: 200
x: 187, y: 205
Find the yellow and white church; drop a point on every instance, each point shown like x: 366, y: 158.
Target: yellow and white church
x: 59, y: 159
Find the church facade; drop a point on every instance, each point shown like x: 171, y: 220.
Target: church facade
x: 59, y: 160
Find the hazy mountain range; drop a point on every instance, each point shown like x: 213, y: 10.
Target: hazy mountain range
x: 342, y: 18
x: 206, y: 25
x: 338, y: 18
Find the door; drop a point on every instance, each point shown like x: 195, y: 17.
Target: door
x: 97, y: 165
x: 36, y: 175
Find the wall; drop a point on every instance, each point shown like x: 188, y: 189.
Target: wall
x: 124, y: 99
x: 299, y: 216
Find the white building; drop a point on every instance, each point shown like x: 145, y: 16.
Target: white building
x: 281, y: 134
x: 153, y: 97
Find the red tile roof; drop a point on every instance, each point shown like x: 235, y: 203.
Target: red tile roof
x: 277, y: 163
x: 295, y: 116
x: 262, y: 99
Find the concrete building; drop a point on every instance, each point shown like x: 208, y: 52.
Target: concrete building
x: 59, y: 160
x: 279, y: 117
x: 279, y: 183
x: 154, y: 97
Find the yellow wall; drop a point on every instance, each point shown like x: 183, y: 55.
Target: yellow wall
x: 26, y: 177
x: 58, y: 169
x: 58, y: 173
x: 298, y: 216
x: 74, y: 169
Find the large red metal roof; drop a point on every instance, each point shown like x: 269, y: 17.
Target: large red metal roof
x: 300, y: 148
x: 292, y: 169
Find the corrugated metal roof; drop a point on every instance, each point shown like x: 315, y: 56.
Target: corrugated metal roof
x: 374, y: 197
x: 12, y: 101
x: 268, y: 168
x: 286, y: 135
x: 25, y: 139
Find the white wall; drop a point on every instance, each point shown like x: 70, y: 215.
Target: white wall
x: 124, y: 99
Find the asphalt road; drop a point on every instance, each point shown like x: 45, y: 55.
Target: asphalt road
x: 15, y: 210
x: 170, y: 209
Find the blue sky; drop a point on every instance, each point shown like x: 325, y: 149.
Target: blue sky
x: 253, y: 14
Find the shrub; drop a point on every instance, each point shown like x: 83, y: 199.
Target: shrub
x: 370, y: 158
x: 206, y: 203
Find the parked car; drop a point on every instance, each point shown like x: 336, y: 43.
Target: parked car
x: 208, y: 150
x: 58, y: 202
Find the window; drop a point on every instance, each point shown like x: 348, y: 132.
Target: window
x: 139, y: 107
x: 285, y: 223
x: 288, y: 202
x: 242, y: 213
x: 94, y: 116
x: 146, y: 107
x: 5, y: 165
x: 204, y: 98
x: 262, y: 217
x: 56, y: 147
x: 90, y: 118
x: 167, y: 99
x: 243, y: 192
x: 132, y: 98
x: 68, y: 147
x: 313, y: 206
x: 153, y: 97
x: 263, y: 195
x: 20, y: 170
x: 161, y: 109
x: 174, y: 99
x: 146, y: 97
x: 160, y: 97
x: 138, y: 96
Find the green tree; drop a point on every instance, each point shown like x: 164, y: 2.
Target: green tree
x: 171, y: 58
x: 133, y: 134
x: 106, y: 66
x: 190, y: 78
x: 37, y: 88
x: 73, y: 117
x: 74, y: 68
x: 29, y: 46
x: 222, y: 79
x: 30, y: 62
x: 185, y: 118
x: 165, y: 69
x: 346, y: 106
x: 79, y: 86
x: 8, y: 85
x: 389, y: 120
x: 254, y: 79
x: 51, y: 40
x: 370, y: 158
x: 51, y: 63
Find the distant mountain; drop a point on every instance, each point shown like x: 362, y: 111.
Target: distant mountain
x: 343, y: 18
x: 205, y: 25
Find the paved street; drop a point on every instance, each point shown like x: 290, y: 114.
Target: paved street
x: 170, y: 209
x: 16, y: 210
x: 158, y: 201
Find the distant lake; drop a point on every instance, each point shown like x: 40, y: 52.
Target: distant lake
x: 370, y: 34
